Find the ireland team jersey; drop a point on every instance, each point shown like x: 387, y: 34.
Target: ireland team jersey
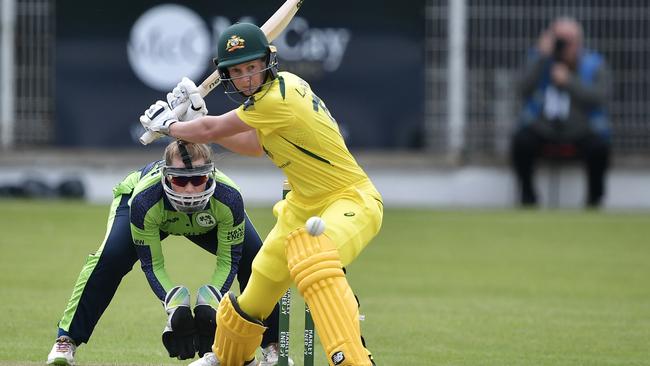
x: 301, y: 137
x: 153, y: 218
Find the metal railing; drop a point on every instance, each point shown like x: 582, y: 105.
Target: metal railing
x: 498, y: 34
x: 28, y: 79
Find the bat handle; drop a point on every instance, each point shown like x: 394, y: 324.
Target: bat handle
x: 149, y: 137
x: 272, y: 28
x: 204, y: 89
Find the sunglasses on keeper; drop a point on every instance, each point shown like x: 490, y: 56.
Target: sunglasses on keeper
x: 196, y: 180
x: 182, y: 176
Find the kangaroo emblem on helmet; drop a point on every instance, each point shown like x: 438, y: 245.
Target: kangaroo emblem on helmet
x: 235, y: 42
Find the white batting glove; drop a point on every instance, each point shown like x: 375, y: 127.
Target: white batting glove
x: 186, y: 101
x: 158, y: 118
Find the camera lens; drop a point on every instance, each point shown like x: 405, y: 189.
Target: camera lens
x: 558, y: 48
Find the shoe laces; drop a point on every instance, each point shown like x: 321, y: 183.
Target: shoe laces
x: 64, y: 345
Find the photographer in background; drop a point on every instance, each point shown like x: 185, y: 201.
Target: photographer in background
x: 564, y: 90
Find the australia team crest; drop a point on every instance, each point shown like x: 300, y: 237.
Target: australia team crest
x: 235, y: 42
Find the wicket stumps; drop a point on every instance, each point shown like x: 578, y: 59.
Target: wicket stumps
x: 285, y: 311
x: 309, y: 338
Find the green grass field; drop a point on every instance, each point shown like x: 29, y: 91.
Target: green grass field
x: 437, y: 287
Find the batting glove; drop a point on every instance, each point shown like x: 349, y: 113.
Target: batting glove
x: 178, y: 335
x: 158, y: 118
x: 186, y: 101
x: 205, y: 317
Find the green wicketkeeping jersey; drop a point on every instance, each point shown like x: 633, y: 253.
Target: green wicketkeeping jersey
x: 152, y: 216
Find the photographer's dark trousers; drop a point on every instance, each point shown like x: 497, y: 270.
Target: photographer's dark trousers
x: 103, y: 271
x: 527, y: 147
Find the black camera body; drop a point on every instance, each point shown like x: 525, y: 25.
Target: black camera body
x: 558, y: 48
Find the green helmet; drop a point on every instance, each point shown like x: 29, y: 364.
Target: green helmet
x: 241, y: 42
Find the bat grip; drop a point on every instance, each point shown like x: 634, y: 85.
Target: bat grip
x: 271, y: 29
x: 150, y: 136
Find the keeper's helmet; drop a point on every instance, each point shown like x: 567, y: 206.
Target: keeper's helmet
x: 188, y: 174
x: 244, y: 42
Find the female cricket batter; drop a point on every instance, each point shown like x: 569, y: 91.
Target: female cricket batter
x: 282, y: 117
x: 181, y: 195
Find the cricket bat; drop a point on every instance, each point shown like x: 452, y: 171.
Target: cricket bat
x: 272, y: 29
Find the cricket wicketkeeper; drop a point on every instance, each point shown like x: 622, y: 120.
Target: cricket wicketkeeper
x: 185, y: 195
x: 282, y: 117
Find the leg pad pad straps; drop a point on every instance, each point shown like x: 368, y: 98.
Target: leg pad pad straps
x: 315, y: 267
x: 238, y: 335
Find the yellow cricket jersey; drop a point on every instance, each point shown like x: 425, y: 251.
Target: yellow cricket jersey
x: 301, y: 137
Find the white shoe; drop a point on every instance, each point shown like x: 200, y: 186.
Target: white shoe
x: 62, y: 353
x: 209, y: 359
x: 270, y: 356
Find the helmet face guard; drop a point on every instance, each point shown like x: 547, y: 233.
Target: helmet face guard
x: 241, y: 43
x: 188, y: 202
x: 269, y: 73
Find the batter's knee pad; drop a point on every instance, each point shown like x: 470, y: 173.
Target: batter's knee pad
x: 315, y: 266
x: 238, y: 335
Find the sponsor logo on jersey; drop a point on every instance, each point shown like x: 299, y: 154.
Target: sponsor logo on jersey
x: 338, y: 358
x: 235, y: 234
x: 170, y: 221
x: 285, y: 164
x: 205, y: 219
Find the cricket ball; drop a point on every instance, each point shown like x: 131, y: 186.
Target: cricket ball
x: 315, y: 226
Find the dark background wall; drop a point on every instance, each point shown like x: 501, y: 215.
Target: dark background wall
x: 376, y: 93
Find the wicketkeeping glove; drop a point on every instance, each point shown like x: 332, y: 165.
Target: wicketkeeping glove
x: 158, y: 118
x: 179, y: 333
x: 205, y: 317
x: 186, y: 101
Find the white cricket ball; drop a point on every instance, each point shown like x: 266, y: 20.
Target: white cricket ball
x: 315, y: 226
